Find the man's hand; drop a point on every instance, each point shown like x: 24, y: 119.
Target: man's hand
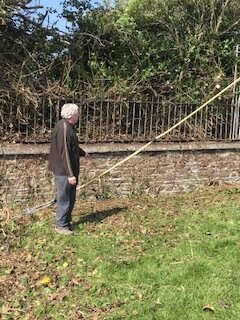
x: 87, y: 156
x: 72, y: 180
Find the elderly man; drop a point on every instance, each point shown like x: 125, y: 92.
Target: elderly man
x: 64, y: 163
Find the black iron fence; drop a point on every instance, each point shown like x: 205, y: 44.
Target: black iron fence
x: 123, y: 121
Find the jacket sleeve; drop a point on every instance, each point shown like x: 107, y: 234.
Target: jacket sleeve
x: 65, y: 147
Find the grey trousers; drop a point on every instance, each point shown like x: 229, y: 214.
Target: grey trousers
x: 66, y: 196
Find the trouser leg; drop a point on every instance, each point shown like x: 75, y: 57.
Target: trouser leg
x: 72, y: 201
x: 66, y: 194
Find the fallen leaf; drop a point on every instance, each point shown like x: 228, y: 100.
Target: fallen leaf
x: 5, y: 309
x: 65, y: 265
x: 45, y: 281
x: 208, y: 307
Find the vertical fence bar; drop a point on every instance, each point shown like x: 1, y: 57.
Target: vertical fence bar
x: 169, y: 117
x: 107, y: 119
x: 174, y: 117
x: 80, y: 120
x: 10, y: 124
x: 185, y: 123
x: 151, y: 118
x: 206, y: 121
x: 231, y: 135
x: 226, y: 136
x: 196, y: 128
x: 87, y: 123
x: 19, y: 125
x: 34, y: 127
x: 192, y: 128
x: 216, y: 121
x: 2, y: 121
x: 101, y: 120
x: 201, y: 122
x: 133, y: 119
x: 51, y: 114
x: 114, y: 119
x: 180, y: 118
x: 27, y: 124
x: 237, y: 125
x: 163, y: 109
x: 120, y: 120
x: 212, y: 122
x: 94, y: 122
x: 221, y: 126
x: 237, y: 107
x: 157, y: 117
x: 127, y: 120
x: 145, y: 120
x: 43, y: 113
x: 139, y: 119
x: 189, y: 122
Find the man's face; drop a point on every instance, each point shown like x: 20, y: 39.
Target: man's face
x: 75, y: 118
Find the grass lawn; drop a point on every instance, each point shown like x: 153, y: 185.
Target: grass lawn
x: 166, y: 258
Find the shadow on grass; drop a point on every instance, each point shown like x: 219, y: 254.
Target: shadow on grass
x: 99, y: 215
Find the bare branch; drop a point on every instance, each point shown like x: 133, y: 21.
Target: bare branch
x: 224, y: 6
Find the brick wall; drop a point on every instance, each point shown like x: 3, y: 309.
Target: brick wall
x: 161, y: 168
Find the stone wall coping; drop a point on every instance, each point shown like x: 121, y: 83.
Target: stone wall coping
x: 43, y: 149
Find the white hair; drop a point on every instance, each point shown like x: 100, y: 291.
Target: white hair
x: 68, y: 110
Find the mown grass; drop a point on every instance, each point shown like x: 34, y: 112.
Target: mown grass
x: 163, y: 258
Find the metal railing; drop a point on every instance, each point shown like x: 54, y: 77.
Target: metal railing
x: 123, y: 121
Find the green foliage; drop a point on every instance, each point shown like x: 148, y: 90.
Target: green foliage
x: 172, y: 48
x: 179, y: 49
